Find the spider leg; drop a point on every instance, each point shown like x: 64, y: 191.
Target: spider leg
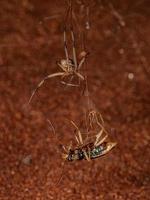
x: 81, y: 62
x: 65, y: 45
x: 71, y: 79
x: 79, y: 75
x: 74, y: 50
x: 42, y: 82
x: 69, y: 84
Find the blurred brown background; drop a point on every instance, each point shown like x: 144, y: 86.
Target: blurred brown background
x: 119, y: 82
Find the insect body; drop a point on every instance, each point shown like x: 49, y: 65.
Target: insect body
x: 89, y: 150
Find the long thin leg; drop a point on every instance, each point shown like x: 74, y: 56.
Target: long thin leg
x: 101, y: 141
x: 79, y: 133
x: 80, y: 76
x: 65, y: 45
x: 41, y: 83
x: 77, y: 139
x: 86, y: 155
x: 98, y: 136
x: 72, y: 35
x: 69, y: 82
x: 74, y: 50
x: 81, y: 63
x: 101, y: 118
x: 83, y: 56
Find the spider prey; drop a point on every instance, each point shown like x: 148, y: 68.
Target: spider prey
x: 89, y: 150
x: 70, y: 66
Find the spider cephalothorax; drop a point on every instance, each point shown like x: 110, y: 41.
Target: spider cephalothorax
x: 67, y: 65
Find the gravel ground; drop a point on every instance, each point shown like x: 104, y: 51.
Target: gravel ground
x: 118, y: 77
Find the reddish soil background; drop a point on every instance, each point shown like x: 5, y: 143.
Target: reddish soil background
x: 119, y: 85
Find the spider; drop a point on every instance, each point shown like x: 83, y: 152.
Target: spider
x: 70, y: 66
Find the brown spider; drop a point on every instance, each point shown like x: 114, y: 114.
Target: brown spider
x: 70, y: 67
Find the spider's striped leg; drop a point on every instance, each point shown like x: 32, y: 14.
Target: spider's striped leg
x: 42, y: 82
